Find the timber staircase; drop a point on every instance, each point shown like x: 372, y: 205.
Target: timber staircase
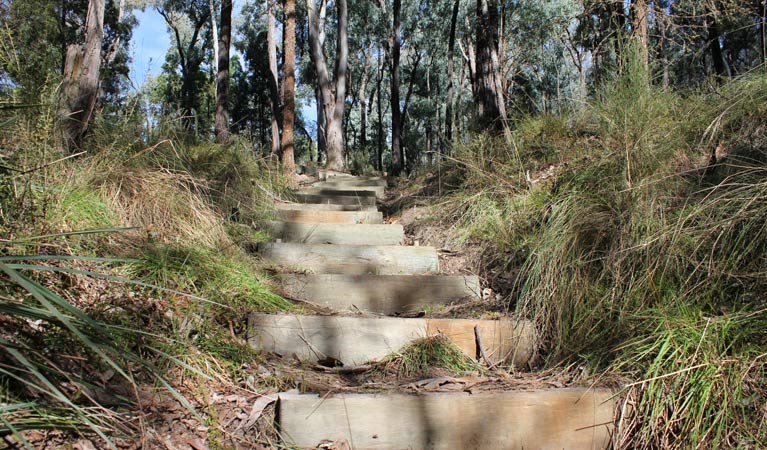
x: 343, y: 257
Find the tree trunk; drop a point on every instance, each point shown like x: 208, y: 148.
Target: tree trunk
x: 397, y: 157
x: 222, y: 80
x: 333, y: 95
x: 379, y: 107
x: 289, y: 87
x: 492, y: 111
x: 81, y: 77
x: 214, y: 31
x: 640, y: 11
x: 363, y: 97
x: 450, y: 52
x: 114, y: 47
x: 715, y: 47
x: 274, y: 90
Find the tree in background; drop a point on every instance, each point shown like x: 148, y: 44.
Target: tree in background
x: 332, y: 91
x: 222, y: 78
x: 490, y: 101
x: 80, y: 87
x: 186, y: 20
x: 288, y: 85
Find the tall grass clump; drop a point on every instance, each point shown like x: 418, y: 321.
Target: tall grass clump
x: 120, y: 269
x: 639, y: 249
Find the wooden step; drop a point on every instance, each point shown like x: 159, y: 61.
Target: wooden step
x: 378, y: 191
x: 323, y: 207
x: 348, y: 217
x: 555, y: 419
x: 330, y: 233
x: 380, y: 294
x: 336, y: 182
x: 325, y: 174
x: 341, y: 198
x: 352, y: 259
x: 357, y: 340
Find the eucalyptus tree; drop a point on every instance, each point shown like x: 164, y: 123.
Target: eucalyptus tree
x: 222, y: 78
x: 80, y: 86
x: 489, y: 93
x: 288, y: 92
x: 186, y: 20
x: 332, y: 90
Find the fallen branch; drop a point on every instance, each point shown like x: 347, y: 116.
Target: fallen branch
x: 480, y: 349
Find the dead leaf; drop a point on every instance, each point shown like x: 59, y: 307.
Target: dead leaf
x: 258, y: 408
x: 334, y: 445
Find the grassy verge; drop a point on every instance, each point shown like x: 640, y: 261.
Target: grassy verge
x: 124, y: 269
x: 633, y: 234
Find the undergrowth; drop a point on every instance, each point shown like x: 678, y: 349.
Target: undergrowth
x: 123, y: 267
x: 633, y: 234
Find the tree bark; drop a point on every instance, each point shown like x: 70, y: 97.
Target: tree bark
x: 222, y: 79
x: 492, y: 110
x: 214, y: 31
x: 274, y: 90
x: 715, y: 47
x: 363, y: 97
x: 333, y: 94
x: 639, y: 10
x: 450, y: 52
x: 81, y: 77
x: 379, y: 107
x: 289, y: 87
x: 397, y: 157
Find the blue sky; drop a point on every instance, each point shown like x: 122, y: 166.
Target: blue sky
x: 151, y: 41
x: 149, y: 45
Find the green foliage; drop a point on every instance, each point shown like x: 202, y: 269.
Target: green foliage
x: 632, y: 253
x: 225, y: 277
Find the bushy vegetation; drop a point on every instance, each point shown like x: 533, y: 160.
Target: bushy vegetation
x: 633, y: 232
x: 120, y: 267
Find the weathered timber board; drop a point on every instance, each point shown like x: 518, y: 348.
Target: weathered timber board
x: 323, y: 207
x: 352, y: 259
x: 324, y: 174
x: 342, y: 234
x: 336, y: 199
x: 381, y: 294
x: 356, y: 340
x: 571, y: 419
x: 352, y: 182
x: 362, y: 191
x: 348, y: 217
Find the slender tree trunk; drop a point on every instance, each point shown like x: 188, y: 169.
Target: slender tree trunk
x: 274, y: 90
x: 336, y: 160
x: 397, y: 157
x: 379, y: 106
x: 222, y: 79
x: 450, y: 52
x: 639, y: 10
x: 492, y: 113
x: 289, y: 87
x: 114, y: 46
x: 214, y: 31
x: 362, y: 95
x: 333, y: 95
x: 81, y: 77
x: 715, y: 47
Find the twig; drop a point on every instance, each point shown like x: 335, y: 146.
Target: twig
x: 666, y: 375
x: 480, y: 349
x: 344, y: 370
